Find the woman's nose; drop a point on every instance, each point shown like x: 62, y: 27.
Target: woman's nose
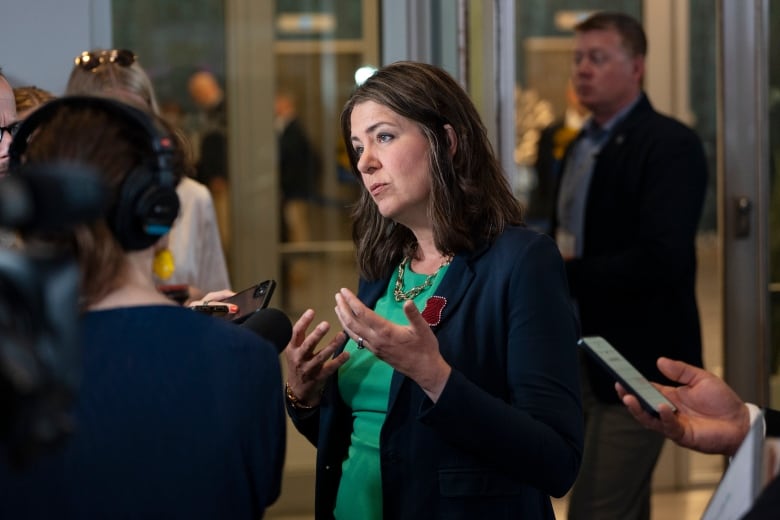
x: 367, y: 163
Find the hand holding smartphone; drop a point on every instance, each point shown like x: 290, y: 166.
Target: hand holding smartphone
x: 218, y: 310
x: 625, y: 373
x: 249, y: 301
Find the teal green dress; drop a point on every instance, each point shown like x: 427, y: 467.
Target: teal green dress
x: 364, y: 384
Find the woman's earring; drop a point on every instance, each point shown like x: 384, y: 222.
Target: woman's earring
x: 164, y: 264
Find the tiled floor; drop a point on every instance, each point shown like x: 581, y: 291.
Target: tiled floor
x: 684, y: 505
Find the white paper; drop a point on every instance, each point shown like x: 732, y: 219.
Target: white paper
x: 743, y: 481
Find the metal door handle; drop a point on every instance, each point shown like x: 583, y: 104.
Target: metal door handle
x: 744, y: 209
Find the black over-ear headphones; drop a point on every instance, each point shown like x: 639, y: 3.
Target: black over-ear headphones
x: 147, y: 204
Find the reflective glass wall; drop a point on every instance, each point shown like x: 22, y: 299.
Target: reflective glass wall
x: 284, y: 69
x: 305, y: 77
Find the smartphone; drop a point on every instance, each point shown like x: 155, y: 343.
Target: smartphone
x: 217, y: 310
x: 625, y: 373
x: 250, y: 300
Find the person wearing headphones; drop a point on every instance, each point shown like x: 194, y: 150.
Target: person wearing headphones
x: 178, y: 414
x: 198, y: 261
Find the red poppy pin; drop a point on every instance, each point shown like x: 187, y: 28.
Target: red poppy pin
x: 433, y: 309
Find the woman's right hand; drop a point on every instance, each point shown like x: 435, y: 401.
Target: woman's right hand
x: 308, y: 368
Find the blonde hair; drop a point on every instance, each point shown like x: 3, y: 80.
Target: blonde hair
x: 132, y: 85
x: 128, y: 83
x: 30, y: 97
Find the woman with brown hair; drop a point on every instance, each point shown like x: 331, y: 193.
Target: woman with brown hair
x: 453, y: 390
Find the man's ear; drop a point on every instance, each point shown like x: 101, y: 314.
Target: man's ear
x: 452, y: 139
x: 639, y: 68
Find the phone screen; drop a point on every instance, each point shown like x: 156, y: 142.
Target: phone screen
x: 250, y: 300
x: 625, y: 373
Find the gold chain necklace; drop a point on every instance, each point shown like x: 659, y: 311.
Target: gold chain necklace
x: 398, y: 291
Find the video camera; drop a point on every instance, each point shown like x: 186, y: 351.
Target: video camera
x: 40, y: 348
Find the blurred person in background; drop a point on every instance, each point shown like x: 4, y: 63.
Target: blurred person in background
x: 210, y: 138
x: 8, y: 121
x: 629, y: 201
x: 198, y: 261
x: 8, y: 125
x: 29, y: 98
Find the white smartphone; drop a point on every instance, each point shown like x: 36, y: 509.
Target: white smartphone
x: 625, y: 373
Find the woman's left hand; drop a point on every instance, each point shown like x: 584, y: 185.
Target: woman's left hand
x: 413, y: 350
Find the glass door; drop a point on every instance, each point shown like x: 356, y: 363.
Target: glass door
x: 318, y: 49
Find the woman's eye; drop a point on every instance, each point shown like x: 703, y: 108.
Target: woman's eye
x: 383, y: 138
x: 358, y: 151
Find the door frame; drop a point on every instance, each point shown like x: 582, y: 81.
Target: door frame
x: 743, y: 178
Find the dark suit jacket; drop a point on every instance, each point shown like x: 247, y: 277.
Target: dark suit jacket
x: 299, y: 164
x: 542, y: 198
x: 553, y: 138
x: 507, y: 430
x: 635, y: 280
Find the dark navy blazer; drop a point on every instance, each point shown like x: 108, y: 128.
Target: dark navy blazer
x: 179, y: 415
x: 507, y: 430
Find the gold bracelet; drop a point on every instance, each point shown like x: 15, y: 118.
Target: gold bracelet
x: 294, y: 400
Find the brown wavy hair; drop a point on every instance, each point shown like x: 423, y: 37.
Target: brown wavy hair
x: 471, y: 201
x: 111, y: 145
x: 113, y: 80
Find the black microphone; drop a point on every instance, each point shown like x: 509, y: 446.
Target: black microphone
x: 270, y: 324
x: 50, y: 197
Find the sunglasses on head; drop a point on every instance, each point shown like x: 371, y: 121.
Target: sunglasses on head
x: 89, y: 60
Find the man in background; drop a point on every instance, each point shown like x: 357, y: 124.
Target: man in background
x: 8, y: 126
x: 8, y: 121
x: 627, y: 211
